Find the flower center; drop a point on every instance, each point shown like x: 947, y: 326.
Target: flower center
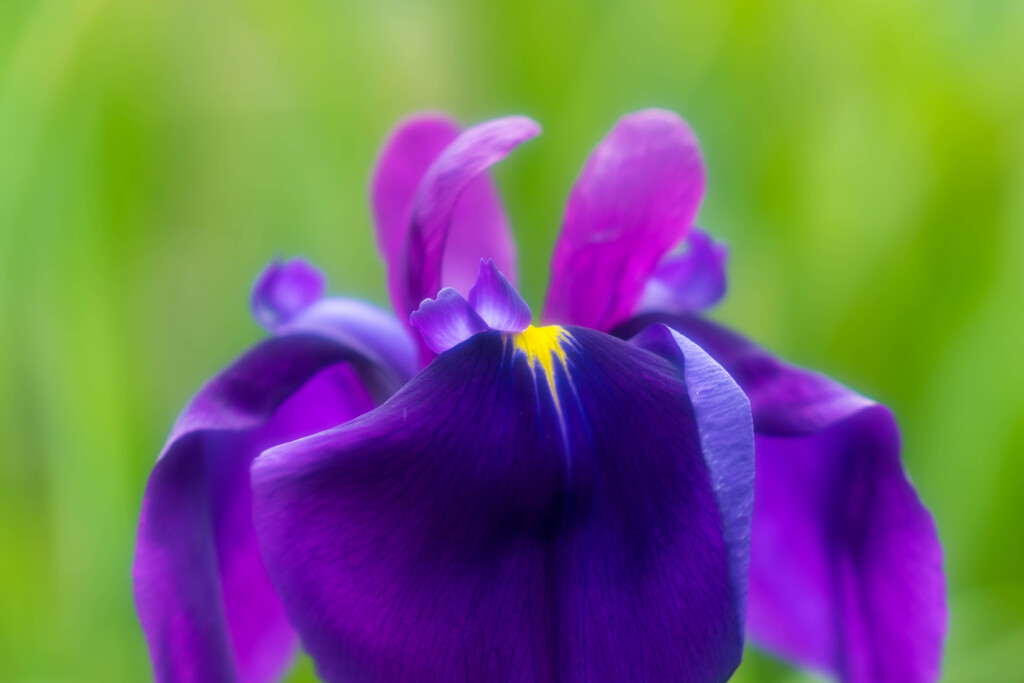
x: 543, y: 348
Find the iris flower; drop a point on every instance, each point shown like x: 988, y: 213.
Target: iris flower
x: 455, y: 494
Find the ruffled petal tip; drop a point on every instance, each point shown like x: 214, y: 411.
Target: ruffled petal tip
x: 450, y: 319
x: 446, y: 321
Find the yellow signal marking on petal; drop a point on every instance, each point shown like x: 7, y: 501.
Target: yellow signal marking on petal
x: 542, y: 347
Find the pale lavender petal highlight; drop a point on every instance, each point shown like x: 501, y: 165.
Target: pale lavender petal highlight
x: 497, y: 301
x: 436, y: 201
x: 446, y: 321
x: 846, y: 566
x: 372, y: 332
x: 688, y: 282
x: 284, y: 289
x: 727, y: 442
x: 636, y: 198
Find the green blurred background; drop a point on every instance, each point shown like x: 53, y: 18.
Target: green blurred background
x: 866, y: 164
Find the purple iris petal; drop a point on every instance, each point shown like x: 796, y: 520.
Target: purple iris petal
x: 202, y: 594
x: 846, y: 569
x: 203, y: 597
x: 497, y: 301
x: 476, y: 227
x: 433, y: 227
x: 531, y: 507
x: 375, y: 334
x: 446, y: 321
x: 636, y: 198
x: 284, y: 289
x: 688, y: 282
x: 727, y: 439
x: 410, y: 149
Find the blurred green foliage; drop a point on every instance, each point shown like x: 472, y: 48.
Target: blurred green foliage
x: 866, y: 164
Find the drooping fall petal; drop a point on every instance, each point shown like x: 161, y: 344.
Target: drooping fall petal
x: 846, y: 566
x: 202, y: 594
x: 206, y: 606
x: 530, y: 507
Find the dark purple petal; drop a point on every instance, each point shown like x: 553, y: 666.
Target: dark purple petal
x: 497, y: 301
x: 206, y: 606
x: 636, y: 198
x: 446, y: 321
x: 532, y: 507
x: 445, y: 242
x: 727, y: 440
x: 688, y: 282
x: 846, y: 570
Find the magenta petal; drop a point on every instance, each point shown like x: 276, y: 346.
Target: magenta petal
x: 410, y: 149
x: 636, y: 198
x: 496, y: 521
x: 446, y: 321
x: 688, y: 282
x: 202, y: 594
x: 441, y: 231
x: 477, y: 229
x: 846, y: 566
x: 284, y: 289
x: 497, y: 301
x: 476, y: 225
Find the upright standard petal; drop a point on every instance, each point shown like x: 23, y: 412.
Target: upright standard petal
x: 477, y: 227
x: 445, y: 241
x: 846, y: 570
x: 410, y: 149
x: 531, y: 507
x: 637, y: 197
